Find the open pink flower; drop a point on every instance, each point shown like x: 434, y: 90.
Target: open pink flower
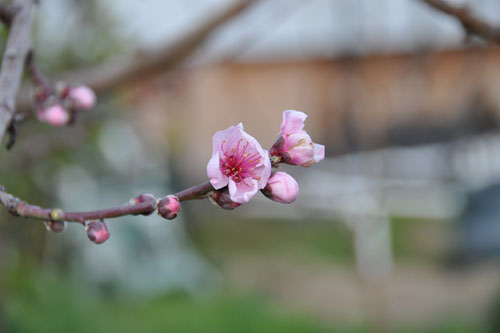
x: 239, y: 162
x: 294, y: 145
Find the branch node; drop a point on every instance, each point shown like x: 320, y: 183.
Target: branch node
x: 56, y: 215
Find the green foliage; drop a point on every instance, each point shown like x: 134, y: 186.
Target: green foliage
x: 49, y: 304
x: 312, y: 239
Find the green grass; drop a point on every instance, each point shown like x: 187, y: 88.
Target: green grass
x: 314, y: 239
x: 329, y: 240
x: 420, y: 239
x: 48, y: 304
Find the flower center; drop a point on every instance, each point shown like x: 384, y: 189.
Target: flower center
x: 237, y: 163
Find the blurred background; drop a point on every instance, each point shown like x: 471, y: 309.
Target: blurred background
x: 398, y: 229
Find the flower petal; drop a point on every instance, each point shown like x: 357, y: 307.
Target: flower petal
x: 241, y: 192
x: 229, y: 135
x: 319, y: 152
x: 293, y: 122
x: 217, y: 178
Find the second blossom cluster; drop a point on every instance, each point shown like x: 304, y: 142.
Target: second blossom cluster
x: 240, y: 167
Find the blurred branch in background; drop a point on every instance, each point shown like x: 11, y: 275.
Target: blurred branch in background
x: 470, y: 23
x: 115, y: 73
x: 18, y: 46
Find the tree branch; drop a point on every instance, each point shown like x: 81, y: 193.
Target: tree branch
x: 113, y: 73
x: 469, y: 22
x: 17, y: 207
x: 18, y: 46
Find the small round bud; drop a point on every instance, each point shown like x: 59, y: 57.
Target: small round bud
x: 82, y: 97
x: 55, y: 226
x: 97, y: 231
x: 281, y: 187
x: 54, y: 115
x: 143, y: 198
x: 222, y: 199
x: 168, y: 207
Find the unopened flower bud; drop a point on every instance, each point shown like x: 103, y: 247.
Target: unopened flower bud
x: 142, y: 198
x: 222, y: 199
x: 55, y: 115
x: 294, y: 145
x: 55, y: 226
x: 97, y: 231
x: 82, y: 97
x: 281, y: 187
x: 168, y: 207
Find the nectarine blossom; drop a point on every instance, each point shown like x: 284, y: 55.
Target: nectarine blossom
x: 239, y: 162
x: 294, y: 145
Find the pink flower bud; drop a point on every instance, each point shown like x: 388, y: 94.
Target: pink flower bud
x: 222, y: 198
x: 281, y: 187
x: 168, y: 207
x: 55, y: 115
x: 97, y: 231
x: 295, y: 146
x: 82, y: 97
x: 143, y: 198
x: 55, y: 226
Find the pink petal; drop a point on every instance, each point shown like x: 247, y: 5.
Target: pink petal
x: 217, y: 178
x: 241, y: 193
x: 319, y: 152
x: 300, y: 138
x: 302, y: 156
x: 293, y: 122
x: 230, y: 135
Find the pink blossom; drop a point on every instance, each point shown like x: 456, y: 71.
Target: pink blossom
x: 281, y: 187
x: 55, y: 115
x: 82, y: 97
x: 97, y: 231
x: 294, y: 145
x: 168, y: 207
x: 239, y: 162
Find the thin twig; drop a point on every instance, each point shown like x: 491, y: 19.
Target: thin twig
x: 17, y: 207
x: 469, y: 22
x: 18, y: 46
